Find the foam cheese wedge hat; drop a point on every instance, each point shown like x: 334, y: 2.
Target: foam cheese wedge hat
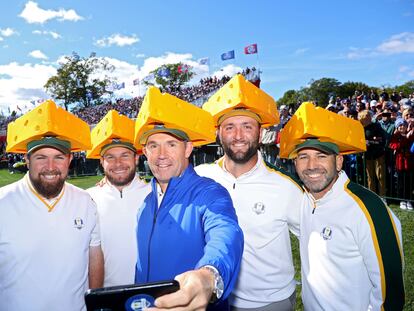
x: 48, y: 120
x: 112, y: 131
x: 165, y: 111
x: 239, y: 94
x: 316, y: 122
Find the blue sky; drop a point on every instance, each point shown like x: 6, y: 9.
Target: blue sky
x: 365, y: 41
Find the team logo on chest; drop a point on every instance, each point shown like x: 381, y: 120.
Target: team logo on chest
x: 326, y: 233
x: 259, y: 208
x: 78, y: 223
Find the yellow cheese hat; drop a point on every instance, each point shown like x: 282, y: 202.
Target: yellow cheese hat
x: 241, y: 97
x: 167, y: 113
x: 326, y: 126
x: 48, y: 120
x: 114, y: 130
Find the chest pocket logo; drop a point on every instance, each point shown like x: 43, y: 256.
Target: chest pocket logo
x: 78, y: 223
x: 326, y: 233
x: 259, y: 208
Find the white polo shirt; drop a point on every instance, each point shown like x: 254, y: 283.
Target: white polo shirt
x: 117, y: 211
x: 44, y: 255
x: 267, y: 204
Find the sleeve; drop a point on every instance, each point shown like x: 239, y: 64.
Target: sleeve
x: 95, y: 234
x: 223, y: 236
x: 380, y: 246
x: 293, y: 209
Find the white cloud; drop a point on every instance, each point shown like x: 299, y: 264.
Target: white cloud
x: 301, y: 51
x: 229, y: 70
x: 396, y: 44
x: 22, y: 83
x: 38, y: 54
x: 400, y: 43
x: 33, y: 14
x: 7, y: 32
x: 53, y: 34
x: 1, y: 39
x: 117, y: 39
x: 140, y: 55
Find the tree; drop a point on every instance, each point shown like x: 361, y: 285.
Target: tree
x: 321, y: 90
x: 290, y: 97
x: 80, y: 80
x: 172, y: 76
x: 348, y: 89
x: 407, y: 88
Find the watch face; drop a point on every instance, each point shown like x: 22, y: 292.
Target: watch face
x: 219, y: 288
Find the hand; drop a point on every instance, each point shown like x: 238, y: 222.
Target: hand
x: 196, y: 288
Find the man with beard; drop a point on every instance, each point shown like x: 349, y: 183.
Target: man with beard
x: 118, y: 197
x: 49, y: 236
x: 350, y: 241
x: 266, y: 199
x: 187, y: 227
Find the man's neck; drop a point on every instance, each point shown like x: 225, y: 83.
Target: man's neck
x: 238, y: 169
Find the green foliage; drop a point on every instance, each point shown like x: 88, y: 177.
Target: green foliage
x: 80, y: 80
x: 406, y: 88
x: 321, y: 90
x: 179, y: 75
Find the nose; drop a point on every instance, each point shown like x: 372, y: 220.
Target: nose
x: 162, y: 152
x: 238, y: 133
x: 312, y: 163
x: 50, y: 164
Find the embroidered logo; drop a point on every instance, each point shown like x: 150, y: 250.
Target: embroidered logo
x: 139, y: 302
x: 259, y: 208
x: 326, y: 233
x: 78, y: 223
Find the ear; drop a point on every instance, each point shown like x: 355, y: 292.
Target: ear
x: 27, y: 160
x: 188, y: 149
x: 101, y: 160
x: 261, y: 133
x: 339, y: 162
x: 144, y: 151
x: 136, y: 159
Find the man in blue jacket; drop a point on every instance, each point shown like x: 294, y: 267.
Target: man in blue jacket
x: 187, y: 227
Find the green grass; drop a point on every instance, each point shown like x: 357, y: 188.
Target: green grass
x: 82, y: 182
x: 406, y: 218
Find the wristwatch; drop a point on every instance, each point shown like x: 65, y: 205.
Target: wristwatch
x: 218, y: 284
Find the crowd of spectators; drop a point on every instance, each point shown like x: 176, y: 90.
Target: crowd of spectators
x: 388, y: 122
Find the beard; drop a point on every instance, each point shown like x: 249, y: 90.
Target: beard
x: 316, y: 187
x: 241, y: 157
x: 119, y: 181
x: 48, y: 189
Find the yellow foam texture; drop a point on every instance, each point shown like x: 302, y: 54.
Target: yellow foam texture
x: 173, y: 113
x: 240, y: 93
x: 310, y: 121
x: 48, y: 120
x: 112, y: 126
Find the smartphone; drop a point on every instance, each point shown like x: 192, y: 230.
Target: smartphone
x: 134, y: 297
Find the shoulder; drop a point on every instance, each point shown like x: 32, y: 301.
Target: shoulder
x: 10, y: 189
x: 283, y: 175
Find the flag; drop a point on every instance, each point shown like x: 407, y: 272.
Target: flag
x: 183, y: 68
x: 120, y: 86
x: 204, y: 61
x: 18, y: 108
x: 136, y: 81
x: 33, y: 102
x: 227, y: 55
x: 251, y: 49
x: 151, y: 76
x: 163, y: 72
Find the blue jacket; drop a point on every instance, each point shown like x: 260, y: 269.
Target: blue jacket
x: 196, y: 225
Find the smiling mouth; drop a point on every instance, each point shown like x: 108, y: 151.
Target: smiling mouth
x: 50, y: 176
